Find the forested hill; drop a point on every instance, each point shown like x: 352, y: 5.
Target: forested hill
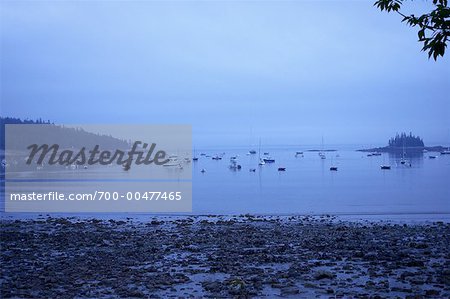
x: 403, y: 140
x: 63, y: 136
x: 407, y: 142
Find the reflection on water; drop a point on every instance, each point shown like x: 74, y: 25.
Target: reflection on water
x: 308, y: 186
x: 413, y: 156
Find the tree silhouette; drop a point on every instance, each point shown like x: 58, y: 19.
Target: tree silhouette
x: 64, y: 137
x: 403, y: 140
x: 434, y: 27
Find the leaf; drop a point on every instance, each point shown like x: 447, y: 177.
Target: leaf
x: 435, y: 24
x: 421, y: 34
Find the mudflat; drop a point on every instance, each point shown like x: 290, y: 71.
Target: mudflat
x: 223, y: 256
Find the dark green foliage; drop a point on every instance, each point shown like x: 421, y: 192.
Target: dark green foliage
x: 13, y: 120
x: 64, y: 136
x: 404, y: 140
x: 434, y: 27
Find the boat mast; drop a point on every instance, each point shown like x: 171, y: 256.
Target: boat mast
x: 259, y: 149
x: 321, y: 151
x: 403, y: 153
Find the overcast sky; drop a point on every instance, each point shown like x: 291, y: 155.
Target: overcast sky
x: 289, y: 72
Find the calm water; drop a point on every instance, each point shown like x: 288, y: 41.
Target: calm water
x: 309, y: 187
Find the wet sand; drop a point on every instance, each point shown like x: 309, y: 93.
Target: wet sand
x: 223, y: 256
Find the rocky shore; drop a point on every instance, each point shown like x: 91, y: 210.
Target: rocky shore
x: 220, y: 257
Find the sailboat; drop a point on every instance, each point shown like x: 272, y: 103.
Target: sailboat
x: 252, y: 151
x: 269, y: 160
x: 173, y: 162
x: 321, y: 154
x: 385, y: 166
x: 402, y: 160
x: 446, y: 152
x: 194, y: 158
x: 261, y: 161
x: 332, y: 167
x: 298, y: 154
x: 234, y: 165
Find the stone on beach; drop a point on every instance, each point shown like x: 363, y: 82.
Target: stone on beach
x: 223, y: 256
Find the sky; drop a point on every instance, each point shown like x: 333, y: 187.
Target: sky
x: 288, y: 72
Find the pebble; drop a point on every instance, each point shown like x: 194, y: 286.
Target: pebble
x: 239, y: 256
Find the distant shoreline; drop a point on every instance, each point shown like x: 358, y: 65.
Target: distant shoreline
x: 318, y: 150
x: 403, y: 217
x: 396, y: 149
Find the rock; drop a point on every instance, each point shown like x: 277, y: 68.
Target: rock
x: 322, y: 274
x: 371, y: 256
x: 156, y: 222
x: 289, y: 290
x: 60, y: 258
x: 415, y: 263
x: 212, y: 286
x: 108, y: 243
x: 432, y: 293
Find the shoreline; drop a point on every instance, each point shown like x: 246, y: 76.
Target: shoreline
x: 396, y: 150
x: 408, y: 218
x: 216, y: 256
